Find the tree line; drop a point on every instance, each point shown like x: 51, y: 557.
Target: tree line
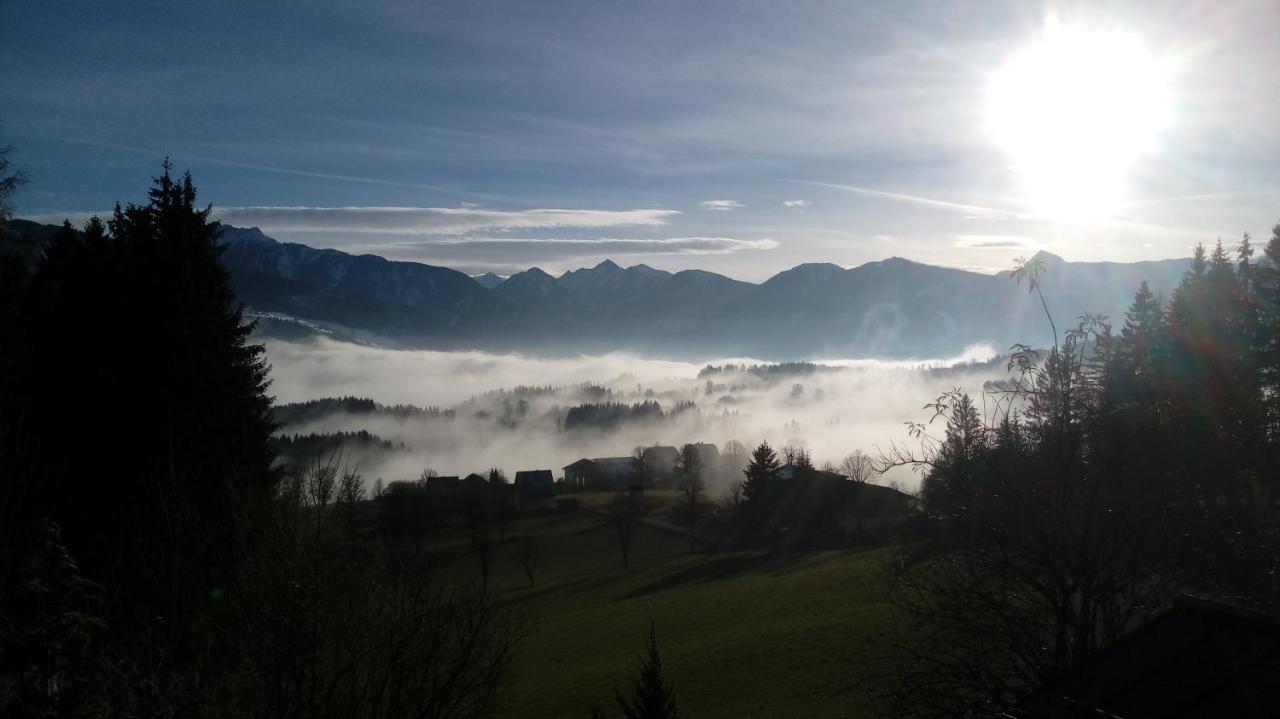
x: 1106, y: 475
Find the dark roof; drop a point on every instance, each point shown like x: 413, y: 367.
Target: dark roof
x: 442, y: 483
x: 706, y: 448
x: 535, y: 477
x: 788, y: 471
x: 872, y: 500
x: 661, y: 454
x: 1198, y: 659
x: 583, y: 463
x: 474, y: 476
x: 615, y: 464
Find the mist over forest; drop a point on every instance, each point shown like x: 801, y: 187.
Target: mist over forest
x: 463, y: 412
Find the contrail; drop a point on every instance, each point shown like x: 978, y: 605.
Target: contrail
x: 289, y: 170
x: 916, y: 199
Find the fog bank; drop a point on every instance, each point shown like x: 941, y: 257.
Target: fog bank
x: 508, y: 411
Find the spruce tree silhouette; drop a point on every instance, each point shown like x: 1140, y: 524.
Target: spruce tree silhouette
x: 761, y: 490
x: 139, y: 361
x: 652, y: 696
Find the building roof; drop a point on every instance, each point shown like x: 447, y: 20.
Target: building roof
x: 534, y: 477
x: 1200, y: 658
x: 788, y: 471
x: 583, y: 463
x: 442, y: 483
x: 706, y: 448
x: 863, y: 499
x: 662, y: 450
x: 615, y: 465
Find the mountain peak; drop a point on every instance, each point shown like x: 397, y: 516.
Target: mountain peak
x: 607, y: 265
x: 489, y: 280
x: 1047, y: 258
x: 535, y: 272
x: 230, y: 233
x: 808, y: 270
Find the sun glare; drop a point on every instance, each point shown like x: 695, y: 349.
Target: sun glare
x: 1074, y: 111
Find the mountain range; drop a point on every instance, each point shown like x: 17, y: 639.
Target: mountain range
x: 891, y: 309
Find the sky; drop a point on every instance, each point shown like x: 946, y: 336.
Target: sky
x: 738, y: 137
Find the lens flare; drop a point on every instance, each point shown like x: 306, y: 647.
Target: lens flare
x: 1074, y: 111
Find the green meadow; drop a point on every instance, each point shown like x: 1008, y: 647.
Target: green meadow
x: 743, y: 633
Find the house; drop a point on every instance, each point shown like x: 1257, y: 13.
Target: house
x: 603, y: 473
x: 535, y: 489
x: 1200, y: 658
x: 444, y: 485
x: 660, y: 460
x: 872, y: 508
x: 829, y: 502
x: 708, y: 455
x: 788, y: 471
x: 614, y: 472
x: 579, y: 473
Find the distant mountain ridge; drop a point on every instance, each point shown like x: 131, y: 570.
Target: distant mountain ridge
x: 892, y: 309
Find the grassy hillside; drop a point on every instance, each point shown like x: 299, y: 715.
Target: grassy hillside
x: 745, y: 634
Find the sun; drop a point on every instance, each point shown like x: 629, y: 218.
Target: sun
x: 1075, y: 111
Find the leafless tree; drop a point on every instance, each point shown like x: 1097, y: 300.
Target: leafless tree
x: 640, y: 455
x: 689, y: 469
x: 858, y: 466
x: 10, y: 180
x: 624, y: 517
x: 734, y: 456
x: 528, y: 556
x: 791, y: 452
x: 324, y: 629
x: 350, y: 487
x: 733, y: 501
x: 350, y: 492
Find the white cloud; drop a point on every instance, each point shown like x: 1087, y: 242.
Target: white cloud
x: 431, y: 220
x: 500, y: 251
x: 796, y: 203
x: 408, y: 220
x: 720, y: 205
x: 995, y: 242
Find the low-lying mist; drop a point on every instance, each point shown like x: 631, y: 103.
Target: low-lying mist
x: 473, y: 411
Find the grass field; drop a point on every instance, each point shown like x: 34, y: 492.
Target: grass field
x: 744, y: 633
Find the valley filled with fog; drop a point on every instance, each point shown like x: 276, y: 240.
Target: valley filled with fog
x: 462, y: 412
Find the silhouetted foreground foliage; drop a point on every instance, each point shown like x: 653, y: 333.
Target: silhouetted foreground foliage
x: 151, y: 563
x: 1104, y: 479
x: 652, y: 695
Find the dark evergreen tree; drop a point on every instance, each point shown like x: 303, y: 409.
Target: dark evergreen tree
x: 137, y: 329
x: 1140, y: 337
x: 1267, y: 291
x: 948, y: 487
x: 761, y: 490
x: 652, y: 695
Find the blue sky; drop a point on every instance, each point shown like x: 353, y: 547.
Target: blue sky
x: 739, y: 137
